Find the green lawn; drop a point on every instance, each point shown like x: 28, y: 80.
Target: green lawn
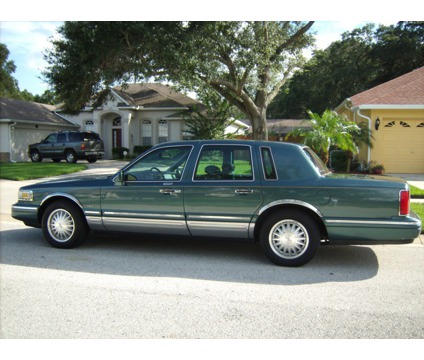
x: 28, y: 171
x: 416, y: 192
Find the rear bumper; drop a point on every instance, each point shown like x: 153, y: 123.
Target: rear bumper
x: 399, y: 230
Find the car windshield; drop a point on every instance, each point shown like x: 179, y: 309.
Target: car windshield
x: 318, y: 163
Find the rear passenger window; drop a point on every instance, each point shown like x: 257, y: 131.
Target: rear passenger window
x: 224, y: 162
x: 268, y: 164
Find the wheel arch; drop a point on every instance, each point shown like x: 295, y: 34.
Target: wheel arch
x: 279, y: 205
x: 58, y: 197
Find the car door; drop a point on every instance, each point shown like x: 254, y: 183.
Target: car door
x: 224, y: 192
x: 147, y: 196
x: 46, y: 147
x: 60, y: 145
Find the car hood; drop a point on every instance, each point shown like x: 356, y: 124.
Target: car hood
x: 77, y: 181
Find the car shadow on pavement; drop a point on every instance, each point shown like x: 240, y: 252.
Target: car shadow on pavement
x: 203, y: 259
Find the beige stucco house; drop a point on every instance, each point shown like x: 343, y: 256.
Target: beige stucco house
x: 394, y: 111
x: 139, y: 114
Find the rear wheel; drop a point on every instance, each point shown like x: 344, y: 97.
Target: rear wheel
x: 64, y: 225
x: 35, y: 156
x: 70, y: 156
x: 290, y: 238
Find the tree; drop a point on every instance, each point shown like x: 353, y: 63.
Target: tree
x: 328, y: 130
x: 210, y: 119
x: 8, y: 84
x: 363, y: 58
x: 245, y: 62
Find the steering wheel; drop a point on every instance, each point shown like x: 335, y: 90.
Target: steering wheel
x: 153, y: 169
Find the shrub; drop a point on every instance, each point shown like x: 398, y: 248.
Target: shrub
x: 119, y: 153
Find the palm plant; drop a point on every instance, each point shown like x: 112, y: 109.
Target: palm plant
x: 329, y: 130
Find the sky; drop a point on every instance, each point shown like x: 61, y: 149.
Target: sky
x: 27, y: 32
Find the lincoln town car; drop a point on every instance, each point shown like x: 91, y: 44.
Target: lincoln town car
x: 280, y: 195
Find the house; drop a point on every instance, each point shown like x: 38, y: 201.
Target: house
x: 137, y: 114
x: 394, y: 112
x: 23, y: 123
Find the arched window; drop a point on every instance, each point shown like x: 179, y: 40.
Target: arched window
x: 163, y: 131
x: 146, y: 132
x: 116, y: 122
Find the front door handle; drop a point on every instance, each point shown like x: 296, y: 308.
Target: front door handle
x: 169, y: 191
x: 243, y: 191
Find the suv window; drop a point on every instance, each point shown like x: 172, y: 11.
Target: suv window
x: 89, y: 136
x: 75, y: 137
x: 224, y: 162
x: 61, y: 138
x: 51, y: 138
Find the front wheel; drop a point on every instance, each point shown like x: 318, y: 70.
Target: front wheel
x: 64, y: 225
x: 290, y: 238
x: 35, y: 156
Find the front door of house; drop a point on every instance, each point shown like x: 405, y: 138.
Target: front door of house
x: 116, y: 138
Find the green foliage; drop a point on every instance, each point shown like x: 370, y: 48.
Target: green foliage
x: 328, y: 130
x: 27, y: 171
x: 209, y: 120
x: 8, y: 84
x: 120, y: 153
x: 139, y: 149
x: 245, y: 62
x: 362, y: 59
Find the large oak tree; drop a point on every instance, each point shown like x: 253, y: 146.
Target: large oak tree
x: 245, y: 62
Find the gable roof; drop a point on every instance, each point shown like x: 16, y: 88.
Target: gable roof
x: 12, y: 110
x: 407, y: 89
x: 153, y: 96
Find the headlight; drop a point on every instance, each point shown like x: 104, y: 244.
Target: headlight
x: 25, y: 195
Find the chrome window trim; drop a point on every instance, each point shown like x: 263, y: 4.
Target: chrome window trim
x: 226, y: 181
x: 263, y: 164
x: 147, y: 153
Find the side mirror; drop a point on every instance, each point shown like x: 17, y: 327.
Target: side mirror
x: 119, y: 178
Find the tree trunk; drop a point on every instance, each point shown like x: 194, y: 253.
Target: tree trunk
x: 259, y: 128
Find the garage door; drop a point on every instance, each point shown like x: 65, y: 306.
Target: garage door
x: 403, y: 149
x: 22, y: 137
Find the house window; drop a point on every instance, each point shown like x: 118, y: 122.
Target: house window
x: 146, y: 133
x: 163, y: 131
x: 421, y: 125
x: 116, y: 122
x: 390, y: 124
x: 89, y: 125
x: 404, y: 124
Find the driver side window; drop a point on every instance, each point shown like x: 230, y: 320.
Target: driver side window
x: 165, y: 164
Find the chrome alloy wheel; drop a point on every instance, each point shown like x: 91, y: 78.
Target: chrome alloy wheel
x: 61, y: 225
x: 288, y: 239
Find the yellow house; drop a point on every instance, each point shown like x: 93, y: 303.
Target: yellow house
x: 394, y: 111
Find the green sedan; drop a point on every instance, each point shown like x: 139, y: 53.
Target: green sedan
x: 278, y: 194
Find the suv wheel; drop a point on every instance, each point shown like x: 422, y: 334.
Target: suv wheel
x: 70, y: 157
x: 35, y: 156
x: 91, y: 159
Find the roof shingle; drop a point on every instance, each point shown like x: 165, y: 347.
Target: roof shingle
x: 407, y: 89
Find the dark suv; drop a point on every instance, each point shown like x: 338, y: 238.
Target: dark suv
x: 68, y: 145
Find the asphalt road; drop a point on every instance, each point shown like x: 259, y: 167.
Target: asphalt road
x: 140, y: 287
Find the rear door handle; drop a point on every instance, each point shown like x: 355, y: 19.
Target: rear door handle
x: 243, y: 191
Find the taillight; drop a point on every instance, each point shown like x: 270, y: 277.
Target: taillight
x: 82, y: 146
x: 404, y: 202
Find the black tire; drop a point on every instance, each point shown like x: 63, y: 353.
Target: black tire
x: 290, y: 238
x: 35, y: 156
x: 70, y: 157
x: 64, y: 225
x: 91, y: 159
